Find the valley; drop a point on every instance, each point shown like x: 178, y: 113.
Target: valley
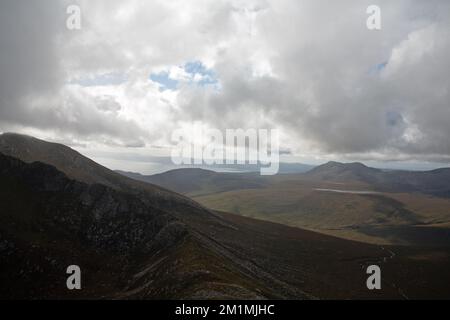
x: 135, y: 240
x: 350, y: 201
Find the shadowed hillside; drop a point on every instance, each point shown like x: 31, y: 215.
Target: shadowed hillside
x: 135, y: 242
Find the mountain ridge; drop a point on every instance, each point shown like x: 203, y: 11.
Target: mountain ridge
x: 134, y: 243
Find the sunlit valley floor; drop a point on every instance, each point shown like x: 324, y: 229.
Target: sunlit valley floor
x: 345, y: 200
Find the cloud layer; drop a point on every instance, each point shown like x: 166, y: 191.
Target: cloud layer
x: 309, y: 68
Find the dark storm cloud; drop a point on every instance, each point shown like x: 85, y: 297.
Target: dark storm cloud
x: 311, y: 68
x: 32, y: 76
x: 29, y: 63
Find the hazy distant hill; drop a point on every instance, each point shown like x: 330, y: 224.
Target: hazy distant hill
x: 196, y: 182
x: 336, y: 171
x: 134, y: 240
x: 347, y: 200
x: 434, y: 182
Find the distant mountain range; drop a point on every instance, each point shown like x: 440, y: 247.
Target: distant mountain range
x: 135, y: 240
x: 434, y: 182
x: 284, y: 167
x: 348, y: 200
x: 199, y: 181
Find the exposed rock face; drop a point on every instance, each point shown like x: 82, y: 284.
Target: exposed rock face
x: 126, y: 246
x: 102, y: 217
x: 84, y: 219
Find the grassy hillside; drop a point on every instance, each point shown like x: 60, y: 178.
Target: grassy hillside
x: 342, y: 214
x: 133, y: 242
x: 350, y: 201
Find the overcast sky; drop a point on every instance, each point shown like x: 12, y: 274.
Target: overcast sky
x: 137, y: 70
